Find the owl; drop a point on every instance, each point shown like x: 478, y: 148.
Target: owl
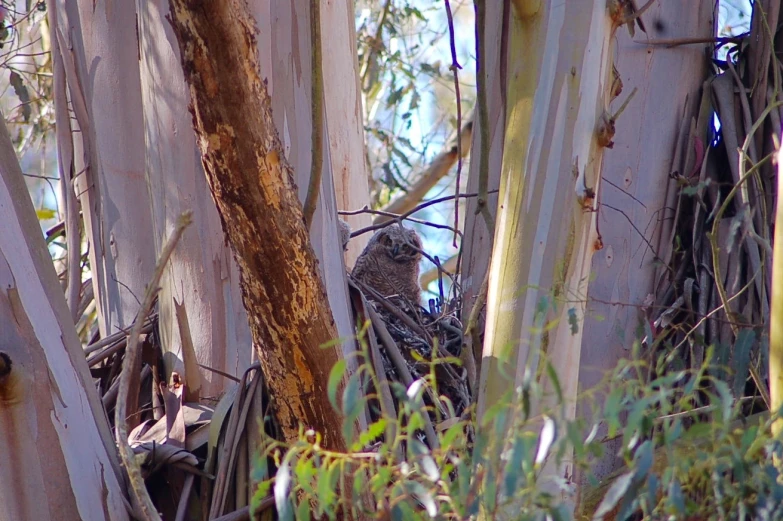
x: 390, y: 263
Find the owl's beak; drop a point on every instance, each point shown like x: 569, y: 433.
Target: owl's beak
x: 396, y: 249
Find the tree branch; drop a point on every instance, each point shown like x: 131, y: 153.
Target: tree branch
x: 437, y: 170
x: 253, y: 187
x: 317, y: 114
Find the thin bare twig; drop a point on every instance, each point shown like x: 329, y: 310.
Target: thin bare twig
x: 482, y: 204
x: 129, y: 366
x: 455, y: 66
x: 410, y: 212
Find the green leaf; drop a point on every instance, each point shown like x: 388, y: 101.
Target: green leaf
x: 741, y: 359
x: 643, y: 459
x: 282, y: 482
x: 726, y: 399
x: 327, y: 480
x: 573, y: 321
x: 613, y: 496
x: 21, y: 92
x: 335, y: 377
x: 448, y: 438
x: 305, y: 472
x: 675, y: 497
x: 372, y: 432
x: 351, y: 394
x: 612, y: 410
x: 303, y: 510
x: 550, y: 370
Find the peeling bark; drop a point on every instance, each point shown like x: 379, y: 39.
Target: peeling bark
x: 252, y: 184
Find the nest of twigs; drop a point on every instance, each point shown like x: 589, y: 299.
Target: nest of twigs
x: 409, y: 343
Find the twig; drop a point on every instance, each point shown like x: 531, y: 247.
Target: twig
x: 316, y: 108
x: 182, y: 507
x: 673, y: 42
x: 410, y: 212
x: 402, y: 368
x: 438, y: 168
x: 129, y: 366
x: 394, y: 310
x: 483, y: 116
x: 114, y: 337
x: 431, y: 275
x: 396, y: 216
x: 624, y: 105
x: 455, y: 66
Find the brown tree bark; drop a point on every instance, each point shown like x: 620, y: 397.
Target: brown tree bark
x: 252, y: 184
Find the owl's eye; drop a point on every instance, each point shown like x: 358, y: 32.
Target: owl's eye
x: 386, y: 240
x: 407, y: 250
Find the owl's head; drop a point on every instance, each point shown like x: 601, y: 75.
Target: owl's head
x: 402, y: 245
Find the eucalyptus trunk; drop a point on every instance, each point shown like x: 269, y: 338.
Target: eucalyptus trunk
x: 59, y: 461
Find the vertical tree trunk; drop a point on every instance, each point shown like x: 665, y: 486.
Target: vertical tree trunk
x: 99, y: 51
x: 202, y: 274
x: 545, y: 237
x: 636, y: 172
x: 344, y: 117
x: 478, y: 238
x: 58, y: 454
x: 254, y: 189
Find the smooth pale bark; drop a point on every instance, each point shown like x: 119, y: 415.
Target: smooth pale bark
x: 58, y: 455
x: 776, y: 312
x: 477, y: 245
x: 344, y: 120
x: 254, y: 189
x: 623, y: 272
x: 100, y: 55
x: 559, y: 77
x: 202, y: 274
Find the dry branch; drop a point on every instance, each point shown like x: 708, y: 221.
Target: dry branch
x: 437, y: 170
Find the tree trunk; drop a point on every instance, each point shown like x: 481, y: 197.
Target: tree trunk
x: 253, y: 187
x: 477, y: 245
x: 202, y: 274
x: 98, y: 48
x: 58, y: 454
x: 557, y: 91
x: 637, y: 186
x: 343, y: 108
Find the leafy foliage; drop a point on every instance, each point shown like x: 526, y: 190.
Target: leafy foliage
x: 407, y: 88
x: 686, y: 454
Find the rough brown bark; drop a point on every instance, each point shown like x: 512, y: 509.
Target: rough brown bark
x: 253, y: 187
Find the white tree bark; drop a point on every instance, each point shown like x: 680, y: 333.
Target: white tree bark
x: 100, y: 55
x: 58, y: 455
x: 638, y: 167
x: 545, y: 235
x: 344, y: 119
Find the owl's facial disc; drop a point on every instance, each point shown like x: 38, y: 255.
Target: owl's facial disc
x: 403, y: 252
